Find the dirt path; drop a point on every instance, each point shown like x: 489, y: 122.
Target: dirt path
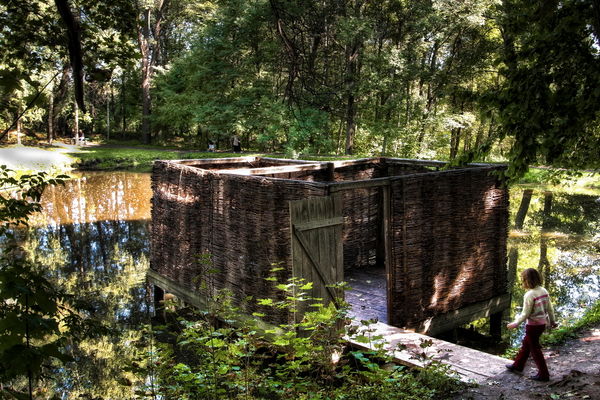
x: 574, y: 369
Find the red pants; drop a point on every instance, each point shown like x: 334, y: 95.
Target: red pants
x: 531, y: 344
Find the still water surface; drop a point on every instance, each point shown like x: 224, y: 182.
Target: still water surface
x: 93, y: 237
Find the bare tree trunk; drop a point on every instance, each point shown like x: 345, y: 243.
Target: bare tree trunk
x: 108, y: 118
x: 19, y: 127
x: 124, y: 126
x: 149, y: 39
x: 544, y: 263
x: 352, y: 59
x: 522, y: 212
x: 144, y: 42
x: 72, y: 22
x: 51, y: 116
x: 350, y: 124
x: 76, y: 124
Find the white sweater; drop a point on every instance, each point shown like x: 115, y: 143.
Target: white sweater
x: 536, y: 305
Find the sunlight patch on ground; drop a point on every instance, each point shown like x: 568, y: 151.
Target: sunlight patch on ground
x: 36, y: 159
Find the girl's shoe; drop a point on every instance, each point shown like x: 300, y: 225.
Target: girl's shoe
x: 540, y: 378
x: 512, y: 368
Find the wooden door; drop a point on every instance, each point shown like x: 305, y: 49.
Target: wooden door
x: 316, y: 225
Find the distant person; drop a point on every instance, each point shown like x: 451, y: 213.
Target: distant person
x: 237, y: 146
x: 211, y: 146
x: 538, y: 311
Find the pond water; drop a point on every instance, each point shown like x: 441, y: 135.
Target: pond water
x: 93, y: 238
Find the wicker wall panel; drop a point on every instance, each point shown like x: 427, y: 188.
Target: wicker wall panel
x: 241, y: 221
x: 179, y: 196
x: 449, y: 235
x: 362, y: 215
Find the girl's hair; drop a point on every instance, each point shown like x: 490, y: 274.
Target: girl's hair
x: 531, y: 278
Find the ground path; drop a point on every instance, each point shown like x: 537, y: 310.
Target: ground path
x: 35, y: 158
x: 575, y: 370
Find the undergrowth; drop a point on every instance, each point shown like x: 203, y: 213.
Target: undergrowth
x: 560, y: 335
x: 202, y: 357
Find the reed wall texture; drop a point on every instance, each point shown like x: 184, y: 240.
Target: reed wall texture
x: 447, y: 229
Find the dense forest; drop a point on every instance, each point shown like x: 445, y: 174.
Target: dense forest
x: 453, y: 80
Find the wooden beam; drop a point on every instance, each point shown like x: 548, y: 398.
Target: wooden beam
x: 387, y: 246
x: 462, y: 316
x: 225, y: 160
x: 306, y: 226
x: 348, y: 163
x: 274, y: 170
x: 195, y: 299
x: 364, y: 184
x: 423, y: 163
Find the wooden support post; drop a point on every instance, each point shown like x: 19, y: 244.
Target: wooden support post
x: 496, y: 325
x: 331, y: 172
x: 387, y: 246
x: 159, y: 302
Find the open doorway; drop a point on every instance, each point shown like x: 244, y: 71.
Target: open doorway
x: 367, y: 296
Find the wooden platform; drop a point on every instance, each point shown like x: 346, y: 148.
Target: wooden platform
x: 470, y: 365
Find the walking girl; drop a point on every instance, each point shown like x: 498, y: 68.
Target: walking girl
x: 538, y: 311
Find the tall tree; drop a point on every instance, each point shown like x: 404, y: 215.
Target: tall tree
x: 149, y: 32
x: 550, y: 102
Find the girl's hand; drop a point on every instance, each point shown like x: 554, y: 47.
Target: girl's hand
x: 512, y: 325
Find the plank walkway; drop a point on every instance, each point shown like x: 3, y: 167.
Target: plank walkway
x: 469, y: 364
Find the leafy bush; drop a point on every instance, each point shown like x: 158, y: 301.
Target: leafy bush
x: 309, y: 359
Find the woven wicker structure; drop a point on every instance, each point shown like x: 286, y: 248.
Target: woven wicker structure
x: 440, y: 233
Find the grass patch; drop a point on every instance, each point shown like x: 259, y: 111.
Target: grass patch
x: 579, y: 182
x: 562, y: 334
x: 139, y: 159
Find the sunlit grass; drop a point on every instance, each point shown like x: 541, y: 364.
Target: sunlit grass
x: 573, y: 182
x: 109, y: 158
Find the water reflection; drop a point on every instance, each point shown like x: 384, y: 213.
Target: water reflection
x: 560, y: 237
x: 92, y: 238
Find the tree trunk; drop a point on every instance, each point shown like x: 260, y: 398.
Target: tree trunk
x: 59, y: 99
x: 522, y: 212
x: 350, y: 124
x: 19, y: 127
x: 124, y: 122
x: 51, y: 116
x: 149, y: 39
x: 108, y: 118
x: 352, y: 58
x: 76, y: 124
x: 454, y: 142
x: 144, y: 42
x: 544, y: 263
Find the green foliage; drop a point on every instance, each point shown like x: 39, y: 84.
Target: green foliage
x: 308, y: 359
x: 563, y: 333
x: 33, y: 309
x: 550, y: 100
